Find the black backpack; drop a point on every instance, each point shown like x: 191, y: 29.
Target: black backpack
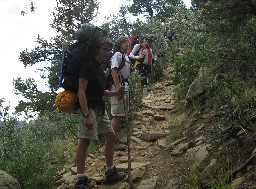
x: 74, y: 57
x: 109, y: 78
x: 72, y: 60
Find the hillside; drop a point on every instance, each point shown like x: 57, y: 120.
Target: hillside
x: 173, y: 149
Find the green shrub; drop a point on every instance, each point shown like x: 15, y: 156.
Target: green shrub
x: 135, y: 101
x: 30, y: 168
x: 42, y: 181
x: 157, y: 71
x: 233, y: 100
x: 175, y: 130
x: 192, y: 175
x: 221, y: 179
x: 62, y: 151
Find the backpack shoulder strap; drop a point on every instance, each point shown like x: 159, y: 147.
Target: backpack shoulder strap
x: 122, y: 62
x: 62, y: 68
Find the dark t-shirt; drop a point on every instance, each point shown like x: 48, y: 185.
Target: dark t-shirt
x: 94, y: 73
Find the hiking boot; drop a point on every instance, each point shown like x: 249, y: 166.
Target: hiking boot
x: 113, y: 175
x: 82, y: 184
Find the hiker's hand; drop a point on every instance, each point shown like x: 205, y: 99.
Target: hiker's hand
x: 88, y: 122
x: 120, y: 93
x: 120, y: 90
x: 132, y: 67
x: 120, y: 97
x: 141, y: 56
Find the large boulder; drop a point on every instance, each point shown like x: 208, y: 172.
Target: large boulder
x: 197, y: 87
x: 8, y: 182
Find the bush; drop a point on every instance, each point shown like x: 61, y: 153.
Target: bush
x: 30, y: 168
x: 33, y: 152
x: 158, y: 68
x: 233, y: 100
x: 135, y: 101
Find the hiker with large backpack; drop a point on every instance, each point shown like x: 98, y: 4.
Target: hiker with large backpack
x: 93, y: 119
x: 72, y: 61
x: 120, y: 71
x: 143, y: 55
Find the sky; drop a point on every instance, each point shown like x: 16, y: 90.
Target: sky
x: 20, y: 32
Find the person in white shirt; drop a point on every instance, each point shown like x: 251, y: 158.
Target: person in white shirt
x: 120, y: 70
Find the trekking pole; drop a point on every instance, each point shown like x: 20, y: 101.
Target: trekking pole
x: 125, y: 101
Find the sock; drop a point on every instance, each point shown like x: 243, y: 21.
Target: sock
x: 110, y: 168
x: 80, y: 176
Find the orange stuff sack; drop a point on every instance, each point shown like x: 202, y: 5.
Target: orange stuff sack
x: 65, y: 101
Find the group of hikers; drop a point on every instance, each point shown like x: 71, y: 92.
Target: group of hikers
x: 93, y: 117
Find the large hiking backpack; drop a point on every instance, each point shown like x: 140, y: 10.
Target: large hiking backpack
x: 71, y: 64
x: 72, y: 60
x: 109, y: 78
x: 76, y: 55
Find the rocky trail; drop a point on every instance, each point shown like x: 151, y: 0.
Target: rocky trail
x: 162, y: 140
x: 152, y: 164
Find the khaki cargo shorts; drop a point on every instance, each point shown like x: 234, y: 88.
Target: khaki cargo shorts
x: 101, y: 125
x: 118, y: 106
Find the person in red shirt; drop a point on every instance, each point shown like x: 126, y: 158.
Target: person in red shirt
x: 143, y: 55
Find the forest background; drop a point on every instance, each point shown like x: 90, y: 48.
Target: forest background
x: 217, y: 36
